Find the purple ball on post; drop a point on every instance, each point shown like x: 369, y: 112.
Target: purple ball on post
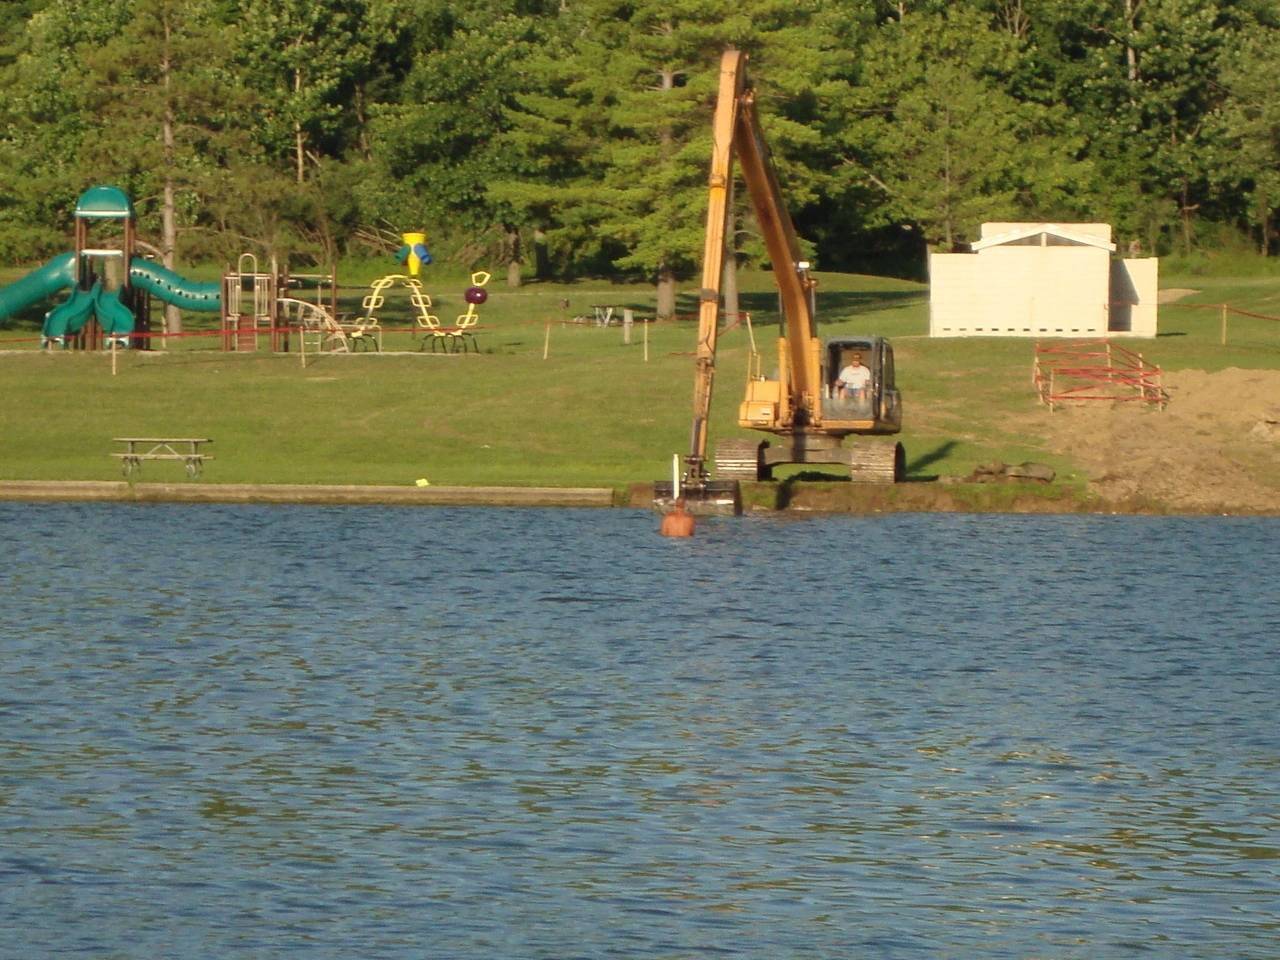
x: 476, y: 295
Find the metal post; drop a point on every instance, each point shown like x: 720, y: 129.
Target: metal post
x: 1224, y: 324
x: 628, y: 318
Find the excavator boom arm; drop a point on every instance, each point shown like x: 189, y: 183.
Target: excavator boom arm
x: 731, y: 85
x: 780, y: 241
x: 737, y: 131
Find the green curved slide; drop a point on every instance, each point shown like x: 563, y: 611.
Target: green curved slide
x: 55, y: 275
x: 172, y: 288
x: 115, y: 317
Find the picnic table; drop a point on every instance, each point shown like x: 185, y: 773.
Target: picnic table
x: 186, y: 449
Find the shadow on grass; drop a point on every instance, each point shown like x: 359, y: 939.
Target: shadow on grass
x: 834, y: 303
x: 940, y: 452
x: 912, y: 473
x: 786, y: 487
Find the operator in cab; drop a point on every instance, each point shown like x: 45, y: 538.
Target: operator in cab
x: 854, y: 379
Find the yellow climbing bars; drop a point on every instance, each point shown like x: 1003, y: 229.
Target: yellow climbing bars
x: 421, y: 302
x: 447, y: 338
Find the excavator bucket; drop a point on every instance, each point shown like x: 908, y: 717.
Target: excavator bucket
x: 716, y: 498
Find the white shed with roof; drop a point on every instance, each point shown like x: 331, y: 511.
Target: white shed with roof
x: 1042, y: 280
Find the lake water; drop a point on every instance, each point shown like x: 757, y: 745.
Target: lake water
x: 472, y: 733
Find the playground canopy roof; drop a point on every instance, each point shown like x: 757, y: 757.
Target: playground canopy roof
x: 104, y: 203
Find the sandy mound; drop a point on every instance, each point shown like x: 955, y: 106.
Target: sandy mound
x: 1212, y: 449
x: 1173, y: 294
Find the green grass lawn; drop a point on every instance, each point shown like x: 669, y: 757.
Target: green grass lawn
x: 594, y: 413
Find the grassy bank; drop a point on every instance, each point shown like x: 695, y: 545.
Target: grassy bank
x: 595, y: 413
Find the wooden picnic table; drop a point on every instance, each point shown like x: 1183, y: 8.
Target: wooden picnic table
x: 138, y: 449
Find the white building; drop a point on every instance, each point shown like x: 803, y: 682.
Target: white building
x: 1042, y: 280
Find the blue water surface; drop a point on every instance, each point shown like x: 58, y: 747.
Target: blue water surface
x: 486, y: 733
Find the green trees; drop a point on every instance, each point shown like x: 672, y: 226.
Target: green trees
x: 161, y: 105
x: 622, y: 125
x: 1249, y: 123
x: 937, y: 130
x: 578, y: 130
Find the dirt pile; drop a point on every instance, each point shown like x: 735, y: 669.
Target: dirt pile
x: 1212, y: 449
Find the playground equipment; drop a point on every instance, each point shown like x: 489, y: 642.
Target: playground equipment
x: 414, y: 254
x: 253, y: 303
x: 110, y: 303
x: 244, y: 316
x: 476, y: 294
x: 111, y: 291
x: 318, y: 330
x: 110, y: 287
x: 367, y: 327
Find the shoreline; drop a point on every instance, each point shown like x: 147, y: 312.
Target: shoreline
x: 120, y: 491
x: 759, y: 498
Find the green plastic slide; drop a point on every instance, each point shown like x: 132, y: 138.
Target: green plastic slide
x: 115, y: 317
x: 172, y: 288
x: 70, y: 316
x: 35, y: 286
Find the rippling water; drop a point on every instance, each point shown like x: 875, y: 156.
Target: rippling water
x: 368, y: 732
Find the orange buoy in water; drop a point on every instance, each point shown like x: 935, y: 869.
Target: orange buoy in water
x: 678, y: 523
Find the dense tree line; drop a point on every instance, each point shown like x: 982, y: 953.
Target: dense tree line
x: 573, y: 135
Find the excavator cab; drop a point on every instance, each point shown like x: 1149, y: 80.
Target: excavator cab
x: 875, y: 408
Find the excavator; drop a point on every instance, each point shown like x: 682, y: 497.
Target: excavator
x: 805, y: 404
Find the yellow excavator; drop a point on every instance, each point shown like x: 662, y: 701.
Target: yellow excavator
x: 818, y: 396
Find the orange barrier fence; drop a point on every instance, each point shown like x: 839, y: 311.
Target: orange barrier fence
x: 219, y: 333
x: 1094, y: 370
x: 266, y: 331
x: 1225, y: 308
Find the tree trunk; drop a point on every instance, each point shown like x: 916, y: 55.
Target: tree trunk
x: 363, y: 123
x: 541, y: 263
x: 666, y: 291
x: 1131, y: 21
x: 1014, y: 18
x: 169, y: 204
x: 1187, y: 209
x: 299, y: 144
x: 667, y: 83
x: 666, y: 277
x: 946, y: 182
x: 729, y: 275
x: 1264, y: 223
x: 511, y: 253
x: 729, y: 284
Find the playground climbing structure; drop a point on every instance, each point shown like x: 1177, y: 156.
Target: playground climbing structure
x: 111, y: 287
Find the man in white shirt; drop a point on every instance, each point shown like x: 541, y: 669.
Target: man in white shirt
x: 854, y: 379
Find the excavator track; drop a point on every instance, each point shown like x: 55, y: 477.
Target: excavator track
x: 876, y: 461
x: 737, y: 460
